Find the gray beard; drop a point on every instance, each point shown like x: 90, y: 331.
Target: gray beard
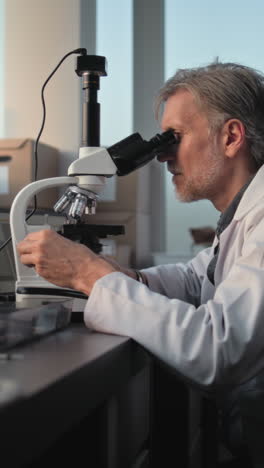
x: 202, y: 185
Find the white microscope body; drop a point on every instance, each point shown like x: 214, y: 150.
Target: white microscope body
x: 85, y: 181
x: 93, y: 167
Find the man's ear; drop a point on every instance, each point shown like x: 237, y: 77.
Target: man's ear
x: 234, y: 137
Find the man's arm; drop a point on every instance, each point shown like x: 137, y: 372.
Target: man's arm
x: 72, y: 265
x: 178, y: 280
x: 63, y: 262
x: 176, y: 331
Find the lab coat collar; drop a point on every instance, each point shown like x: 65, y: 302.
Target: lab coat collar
x: 252, y: 195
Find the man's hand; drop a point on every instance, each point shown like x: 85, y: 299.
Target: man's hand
x: 63, y: 262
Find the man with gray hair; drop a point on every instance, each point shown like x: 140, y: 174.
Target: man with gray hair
x: 204, y: 319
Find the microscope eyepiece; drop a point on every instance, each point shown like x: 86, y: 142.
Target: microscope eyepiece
x: 134, y: 152
x: 163, y: 139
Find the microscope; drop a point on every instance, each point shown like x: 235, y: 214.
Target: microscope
x: 86, y: 179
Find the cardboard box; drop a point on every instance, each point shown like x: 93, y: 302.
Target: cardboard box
x: 17, y: 165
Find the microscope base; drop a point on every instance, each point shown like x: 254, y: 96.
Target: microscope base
x: 32, y: 296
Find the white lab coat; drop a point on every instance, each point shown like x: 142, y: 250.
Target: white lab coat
x: 209, y: 334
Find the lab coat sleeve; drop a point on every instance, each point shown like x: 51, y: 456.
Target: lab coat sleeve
x: 181, y: 281
x: 218, y: 342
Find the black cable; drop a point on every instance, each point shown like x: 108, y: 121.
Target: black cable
x: 81, y: 51
x: 76, y: 51
x: 5, y: 243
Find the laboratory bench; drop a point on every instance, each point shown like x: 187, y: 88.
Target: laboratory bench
x: 75, y: 396
x: 86, y: 398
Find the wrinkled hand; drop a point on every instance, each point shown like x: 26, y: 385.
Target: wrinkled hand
x: 63, y: 262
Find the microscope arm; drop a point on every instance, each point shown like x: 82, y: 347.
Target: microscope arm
x: 20, y: 228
